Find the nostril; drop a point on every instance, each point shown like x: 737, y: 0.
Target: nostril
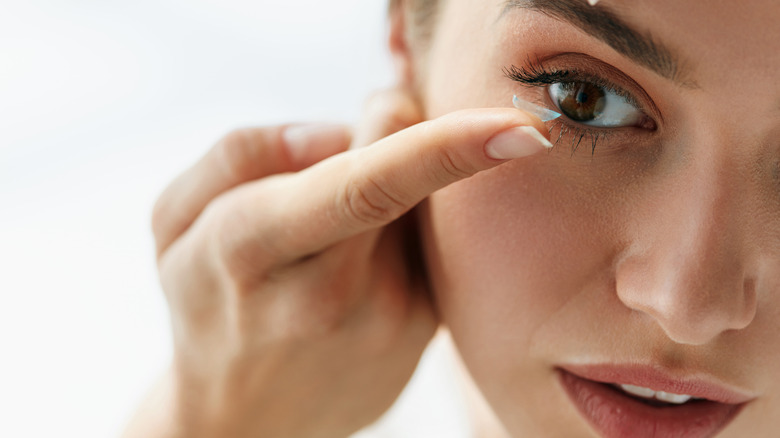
x: 696, y: 323
x: 749, y: 308
x: 690, y: 306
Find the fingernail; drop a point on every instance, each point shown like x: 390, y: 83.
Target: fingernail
x: 300, y: 139
x: 517, y: 142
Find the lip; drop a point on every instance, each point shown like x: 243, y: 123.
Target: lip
x: 658, y: 379
x: 613, y: 414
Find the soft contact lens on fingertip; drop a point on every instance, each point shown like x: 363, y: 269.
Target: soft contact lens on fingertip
x: 539, y: 111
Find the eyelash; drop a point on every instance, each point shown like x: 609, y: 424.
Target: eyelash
x: 534, y: 74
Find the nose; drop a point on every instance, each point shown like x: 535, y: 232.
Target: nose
x: 686, y: 267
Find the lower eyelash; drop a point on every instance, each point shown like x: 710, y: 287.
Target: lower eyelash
x: 534, y: 74
x: 578, y: 134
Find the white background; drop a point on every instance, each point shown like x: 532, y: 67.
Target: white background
x: 101, y: 104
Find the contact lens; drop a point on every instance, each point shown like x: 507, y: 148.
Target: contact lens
x: 539, y: 111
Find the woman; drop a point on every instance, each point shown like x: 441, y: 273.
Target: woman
x: 623, y: 283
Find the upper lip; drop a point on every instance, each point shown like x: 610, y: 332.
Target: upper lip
x: 660, y: 379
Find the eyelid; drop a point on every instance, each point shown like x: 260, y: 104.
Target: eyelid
x: 571, y: 66
x: 578, y: 67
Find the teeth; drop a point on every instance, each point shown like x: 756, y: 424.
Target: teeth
x: 638, y: 390
x: 672, y: 398
x: 667, y: 397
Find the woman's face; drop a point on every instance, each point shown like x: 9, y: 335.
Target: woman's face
x: 646, y: 254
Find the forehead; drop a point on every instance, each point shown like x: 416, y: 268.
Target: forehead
x: 700, y: 28
x: 711, y: 37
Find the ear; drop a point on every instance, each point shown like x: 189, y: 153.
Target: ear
x: 399, y: 44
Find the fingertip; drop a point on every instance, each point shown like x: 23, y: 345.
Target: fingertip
x: 529, y: 118
x: 538, y: 124
x: 310, y: 143
x: 478, y: 125
x: 528, y: 136
x: 517, y: 142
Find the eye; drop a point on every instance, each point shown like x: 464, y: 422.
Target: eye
x: 594, y: 105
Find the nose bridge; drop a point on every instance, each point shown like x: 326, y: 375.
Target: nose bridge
x: 705, y: 216
x: 690, y: 277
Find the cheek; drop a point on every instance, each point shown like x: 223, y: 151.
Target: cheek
x: 506, y: 249
x: 510, y: 261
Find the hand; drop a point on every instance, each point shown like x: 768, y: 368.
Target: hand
x: 294, y: 307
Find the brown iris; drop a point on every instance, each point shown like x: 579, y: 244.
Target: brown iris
x: 581, y: 101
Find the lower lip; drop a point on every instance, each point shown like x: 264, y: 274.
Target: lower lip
x: 615, y: 415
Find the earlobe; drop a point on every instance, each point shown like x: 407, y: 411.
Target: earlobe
x: 399, y: 44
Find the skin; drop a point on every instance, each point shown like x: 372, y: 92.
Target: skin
x: 297, y: 310
x: 659, y: 248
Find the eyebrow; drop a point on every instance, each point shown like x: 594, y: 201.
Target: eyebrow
x: 607, y: 27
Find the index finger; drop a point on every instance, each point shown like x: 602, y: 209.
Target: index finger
x: 243, y: 155
x: 368, y: 188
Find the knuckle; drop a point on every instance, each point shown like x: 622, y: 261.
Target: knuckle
x: 167, y: 222
x: 451, y: 166
x: 160, y: 218
x: 323, y: 310
x: 365, y: 201
x: 296, y: 308
x: 237, y: 154
x: 317, y: 324
x: 239, y: 256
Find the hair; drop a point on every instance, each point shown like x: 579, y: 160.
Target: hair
x: 421, y: 15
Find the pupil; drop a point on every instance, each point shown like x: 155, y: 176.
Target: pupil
x: 582, y: 101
